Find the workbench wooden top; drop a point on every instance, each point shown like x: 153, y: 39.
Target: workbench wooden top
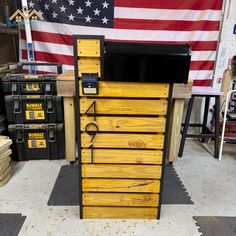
x: 66, y: 86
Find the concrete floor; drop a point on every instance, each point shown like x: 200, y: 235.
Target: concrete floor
x: 211, y: 185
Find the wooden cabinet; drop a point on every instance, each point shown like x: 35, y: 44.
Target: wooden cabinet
x: 122, y: 137
x: 121, y: 162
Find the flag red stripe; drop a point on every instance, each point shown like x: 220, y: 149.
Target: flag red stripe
x: 202, y: 65
x: 120, y: 23
x: 68, y: 40
x: 171, y: 4
x: 49, y: 37
x: 206, y: 82
x: 39, y: 72
x: 50, y: 57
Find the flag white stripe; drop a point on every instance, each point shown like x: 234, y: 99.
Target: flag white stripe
x: 200, y: 74
x: 203, y: 56
x: 68, y: 50
x: 121, y: 34
x: 166, y: 14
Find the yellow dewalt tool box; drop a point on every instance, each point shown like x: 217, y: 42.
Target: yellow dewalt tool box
x: 37, y: 141
x: 34, y: 109
x: 19, y: 84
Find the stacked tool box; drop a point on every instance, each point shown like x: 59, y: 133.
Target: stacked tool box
x: 4, y: 69
x: 35, y: 115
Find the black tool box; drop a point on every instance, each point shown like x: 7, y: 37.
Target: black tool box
x: 19, y: 84
x: 37, y: 141
x: 33, y: 109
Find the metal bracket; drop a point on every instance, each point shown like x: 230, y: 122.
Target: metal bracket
x: 51, y: 134
x: 19, y: 134
x: 48, y: 87
x: 14, y: 87
x: 49, y: 105
x: 16, y: 105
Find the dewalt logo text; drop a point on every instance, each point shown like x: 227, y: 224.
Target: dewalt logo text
x: 34, y: 106
x: 36, y: 135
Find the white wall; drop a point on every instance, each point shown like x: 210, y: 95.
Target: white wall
x: 227, y: 46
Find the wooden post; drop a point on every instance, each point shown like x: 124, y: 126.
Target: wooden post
x: 69, y: 118
x: 175, y: 128
x: 226, y: 85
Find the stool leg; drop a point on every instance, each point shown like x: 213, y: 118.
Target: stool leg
x: 186, y: 125
x: 206, y: 110
x: 217, y: 125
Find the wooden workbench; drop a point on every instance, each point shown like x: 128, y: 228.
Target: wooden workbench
x: 66, y: 89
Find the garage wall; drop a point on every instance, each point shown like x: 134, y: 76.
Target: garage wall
x: 227, y: 46
x: 7, y: 44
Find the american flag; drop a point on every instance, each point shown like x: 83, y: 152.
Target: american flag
x: 196, y: 22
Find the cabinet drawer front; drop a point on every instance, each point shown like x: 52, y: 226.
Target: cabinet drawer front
x: 124, y: 107
x: 119, y: 213
x: 121, y: 199
x: 138, y: 141
x: 132, y: 90
x: 124, y: 156
x: 121, y: 185
x: 121, y: 171
x: 126, y: 124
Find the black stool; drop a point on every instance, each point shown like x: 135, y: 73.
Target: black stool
x: 208, y: 93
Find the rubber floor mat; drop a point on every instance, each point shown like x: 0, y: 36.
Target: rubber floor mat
x: 66, y: 189
x: 216, y: 225
x: 10, y: 224
x: 174, y: 191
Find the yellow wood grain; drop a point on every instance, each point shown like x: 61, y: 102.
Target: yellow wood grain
x: 175, y: 128
x: 124, y: 156
x: 225, y: 85
x: 121, y: 185
x: 121, y: 199
x: 125, y: 107
x: 88, y: 47
x: 119, y: 213
x: 121, y: 171
x: 69, y: 118
x: 68, y: 75
x: 126, y: 124
x: 119, y: 140
x: 131, y: 90
x: 89, y: 65
x: 5, y: 173
x: 5, y: 143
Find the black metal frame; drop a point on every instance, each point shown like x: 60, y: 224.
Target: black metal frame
x: 206, y: 132
x: 165, y: 148
x: 77, y: 104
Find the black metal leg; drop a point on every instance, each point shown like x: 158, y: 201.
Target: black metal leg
x: 217, y: 125
x: 186, y: 125
x: 205, y: 116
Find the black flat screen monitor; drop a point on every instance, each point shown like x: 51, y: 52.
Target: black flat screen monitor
x: 138, y: 62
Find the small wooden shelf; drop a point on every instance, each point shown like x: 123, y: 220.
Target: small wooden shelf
x: 5, y: 30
